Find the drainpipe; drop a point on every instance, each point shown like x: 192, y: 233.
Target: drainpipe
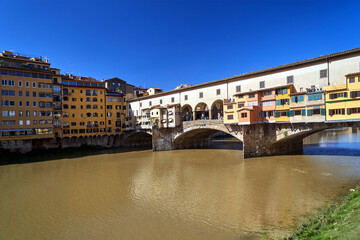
x: 227, y: 89
x: 328, y: 71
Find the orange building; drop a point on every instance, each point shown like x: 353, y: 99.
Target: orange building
x: 83, y: 106
x: 26, y: 98
x: 115, y: 113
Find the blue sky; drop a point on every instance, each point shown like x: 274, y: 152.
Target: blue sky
x: 167, y: 43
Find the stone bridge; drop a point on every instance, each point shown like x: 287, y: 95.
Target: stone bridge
x: 264, y: 139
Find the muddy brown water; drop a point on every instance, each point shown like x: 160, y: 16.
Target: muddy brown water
x: 183, y: 194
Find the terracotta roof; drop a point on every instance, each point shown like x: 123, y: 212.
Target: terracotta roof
x: 298, y: 93
x: 352, y: 74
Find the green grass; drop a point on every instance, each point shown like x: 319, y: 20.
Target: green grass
x: 334, y: 222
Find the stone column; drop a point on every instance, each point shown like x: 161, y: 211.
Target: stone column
x: 257, y: 140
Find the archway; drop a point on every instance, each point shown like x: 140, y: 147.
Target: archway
x: 138, y: 139
x: 201, y: 111
x: 207, y: 138
x: 186, y: 113
x: 217, y: 110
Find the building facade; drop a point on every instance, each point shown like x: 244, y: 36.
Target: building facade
x: 343, y: 100
x: 26, y: 97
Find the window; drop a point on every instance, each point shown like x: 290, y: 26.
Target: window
x: 88, y: 93
x: 149, y: 103
x: 240, y: 105
x: 217, y: 91
x: 109, y: 99
x: 243, y: 115
x: 34, y: 113
x: 297, y: 99
x: 8, y: 83
x: 355, y: 94
x: 21, y: 122
x: 262, y: 84
x: 230, y: 117
x: 283, y: 114
x: 238, y: 88
x: 323, y: 73
x: 20, y: 103
x: 140, y: 104
x: 160, y: 101
x: 282, y: 102
x: 20, y: 93
x: 201, y: 94
x: 268, y: 103
x: 34, y: 94
x: 340, y: 111
x: 20, y: 83
x: 27, y: 94
x: 172, y: 99
x: 28, y: 113
x: 34, y: 104
x: 186, y: 97
x: 27, y: 122
x: 351, y: 80
x: 252, y: 95
x: 27, y: 84
x: 297, y: 112
x: 290, y: 79
x: 230, y: 106
x: 34, y: 85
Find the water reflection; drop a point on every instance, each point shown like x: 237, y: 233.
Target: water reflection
x: 342, y: 141
x: 183, y: 194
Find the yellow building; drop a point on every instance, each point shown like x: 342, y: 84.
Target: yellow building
x: 343, y: 100
x: 83, y: 106
x: 26, y: 97
x: 115, y: 113
x: 282, y: 97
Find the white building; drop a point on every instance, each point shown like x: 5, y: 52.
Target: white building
x: 207, y: 98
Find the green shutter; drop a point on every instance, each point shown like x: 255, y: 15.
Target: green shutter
x: 323, y: 112
x: 291, y: 113
x: 309, y: 112
x: 278, y: 102
x: 293, y: 99
x: 284, y: 91
x: 303, y: 112
x: 277, y: 114
x: 300, y: 98
x: 288, y: 113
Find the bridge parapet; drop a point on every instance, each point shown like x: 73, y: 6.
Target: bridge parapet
x: 187, y: 124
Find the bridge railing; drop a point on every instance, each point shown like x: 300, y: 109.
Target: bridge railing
x: 187, y: 124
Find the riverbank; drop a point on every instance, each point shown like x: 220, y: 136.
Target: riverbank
x: 340, y: 221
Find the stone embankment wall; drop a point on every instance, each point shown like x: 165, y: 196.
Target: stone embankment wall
x: 25, y: 146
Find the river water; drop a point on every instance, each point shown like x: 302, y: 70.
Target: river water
x: 183, y: 194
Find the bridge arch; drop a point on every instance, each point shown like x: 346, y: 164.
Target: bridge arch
x: 201, y: 111
x: 136, y: 138
x: 198, y: 136
x: 186, y: 113
x: 217, y: 110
